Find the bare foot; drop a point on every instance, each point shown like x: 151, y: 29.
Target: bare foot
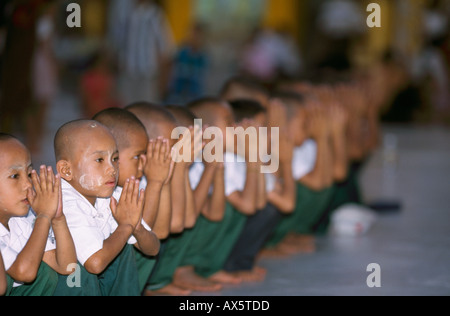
x: 300, y: 247
x: 250, y: 276
x: 169, y: 290
x: 272, y: 253
x: 260, y: 270
x: 185, y: 277
x: 225, y: 278
x: 294, y: 238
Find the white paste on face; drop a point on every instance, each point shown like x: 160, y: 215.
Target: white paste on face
x: 89, y: 183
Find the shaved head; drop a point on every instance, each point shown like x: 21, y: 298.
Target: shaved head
x: 182, y: 114
x: 210, y: 110
x: 238, y: 88
x: 122, y: 124
x: 293, y: 102
x: 67, y: 139
x: 153, y: 117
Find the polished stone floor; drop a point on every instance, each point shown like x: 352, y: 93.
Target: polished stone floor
x: 412, y: 247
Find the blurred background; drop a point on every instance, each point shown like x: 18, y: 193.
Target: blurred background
x: 51, y: 73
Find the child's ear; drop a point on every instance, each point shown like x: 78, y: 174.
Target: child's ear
x: 64, y: 168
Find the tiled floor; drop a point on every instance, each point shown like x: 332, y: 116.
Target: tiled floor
x: 412, y: 247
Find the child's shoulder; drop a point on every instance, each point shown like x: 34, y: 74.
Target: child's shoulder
x: 21, y: 225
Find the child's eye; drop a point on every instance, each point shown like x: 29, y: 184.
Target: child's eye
x: 136, y: 157
x: 115, y: 159
x: 14, y: 176
x: 99, y: 160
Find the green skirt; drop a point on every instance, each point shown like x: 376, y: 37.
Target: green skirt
x: 214, y: 242
x: 345, y: 192
x: 79, y: 283
x: 44, y: 285
x: 170, y: 259
x: 145, y: 266
x: 310, y: 207
x: 121, y: 277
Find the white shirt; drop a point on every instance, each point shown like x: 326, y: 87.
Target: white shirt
x: 304, y: 159
x: 195, y: 174
x: 89, y: 225
x: 13, y: 241
x: 236, y: 175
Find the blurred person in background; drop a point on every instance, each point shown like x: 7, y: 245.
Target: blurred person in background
x: 3, y: 13
x: 147, y: 51
x: 44, y: 73
x: 338, y: 23
x: 189, y: 68
x: 430, y: 68
x: 17, y: 107
x: 269, y: 55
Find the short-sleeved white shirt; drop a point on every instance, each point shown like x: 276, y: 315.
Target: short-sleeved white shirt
x: 13, y: 241
x: 196, y: 173
x: 304, y: 159
x: 89, y: 225
x: 236, y: 175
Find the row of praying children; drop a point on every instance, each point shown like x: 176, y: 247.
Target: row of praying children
x: 121, y: 215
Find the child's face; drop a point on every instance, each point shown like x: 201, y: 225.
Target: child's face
x: 15, y: 171
x: 95, y: 165
x: 131, y: 159
x: 298, y: 128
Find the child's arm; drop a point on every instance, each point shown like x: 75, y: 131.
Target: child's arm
x: 196, y: 149
x: 321, y: 176
x: 357, y: 124
x: 65, y: 253
x: 44, y: 201
x: 214, y: 208
x: 158, y: 171
x: 3, y: 282
x: 191, y: 211
x: 201, y: 192
x: 147, y: 242
x: 245, y: 201
x: 261, y: 192
x: 177, y: 187
x: 127, y: 213
x: 183, y: 209
x: 338, y: 122
x: 285, y: 198
x: 164, y: 217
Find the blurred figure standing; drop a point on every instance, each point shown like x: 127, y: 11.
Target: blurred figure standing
x: 189, y: 68
x: 16, y: 99
x: 269, y: 55
x: 430, y: 67
x: 44, y: 73
x: 147, y: 51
